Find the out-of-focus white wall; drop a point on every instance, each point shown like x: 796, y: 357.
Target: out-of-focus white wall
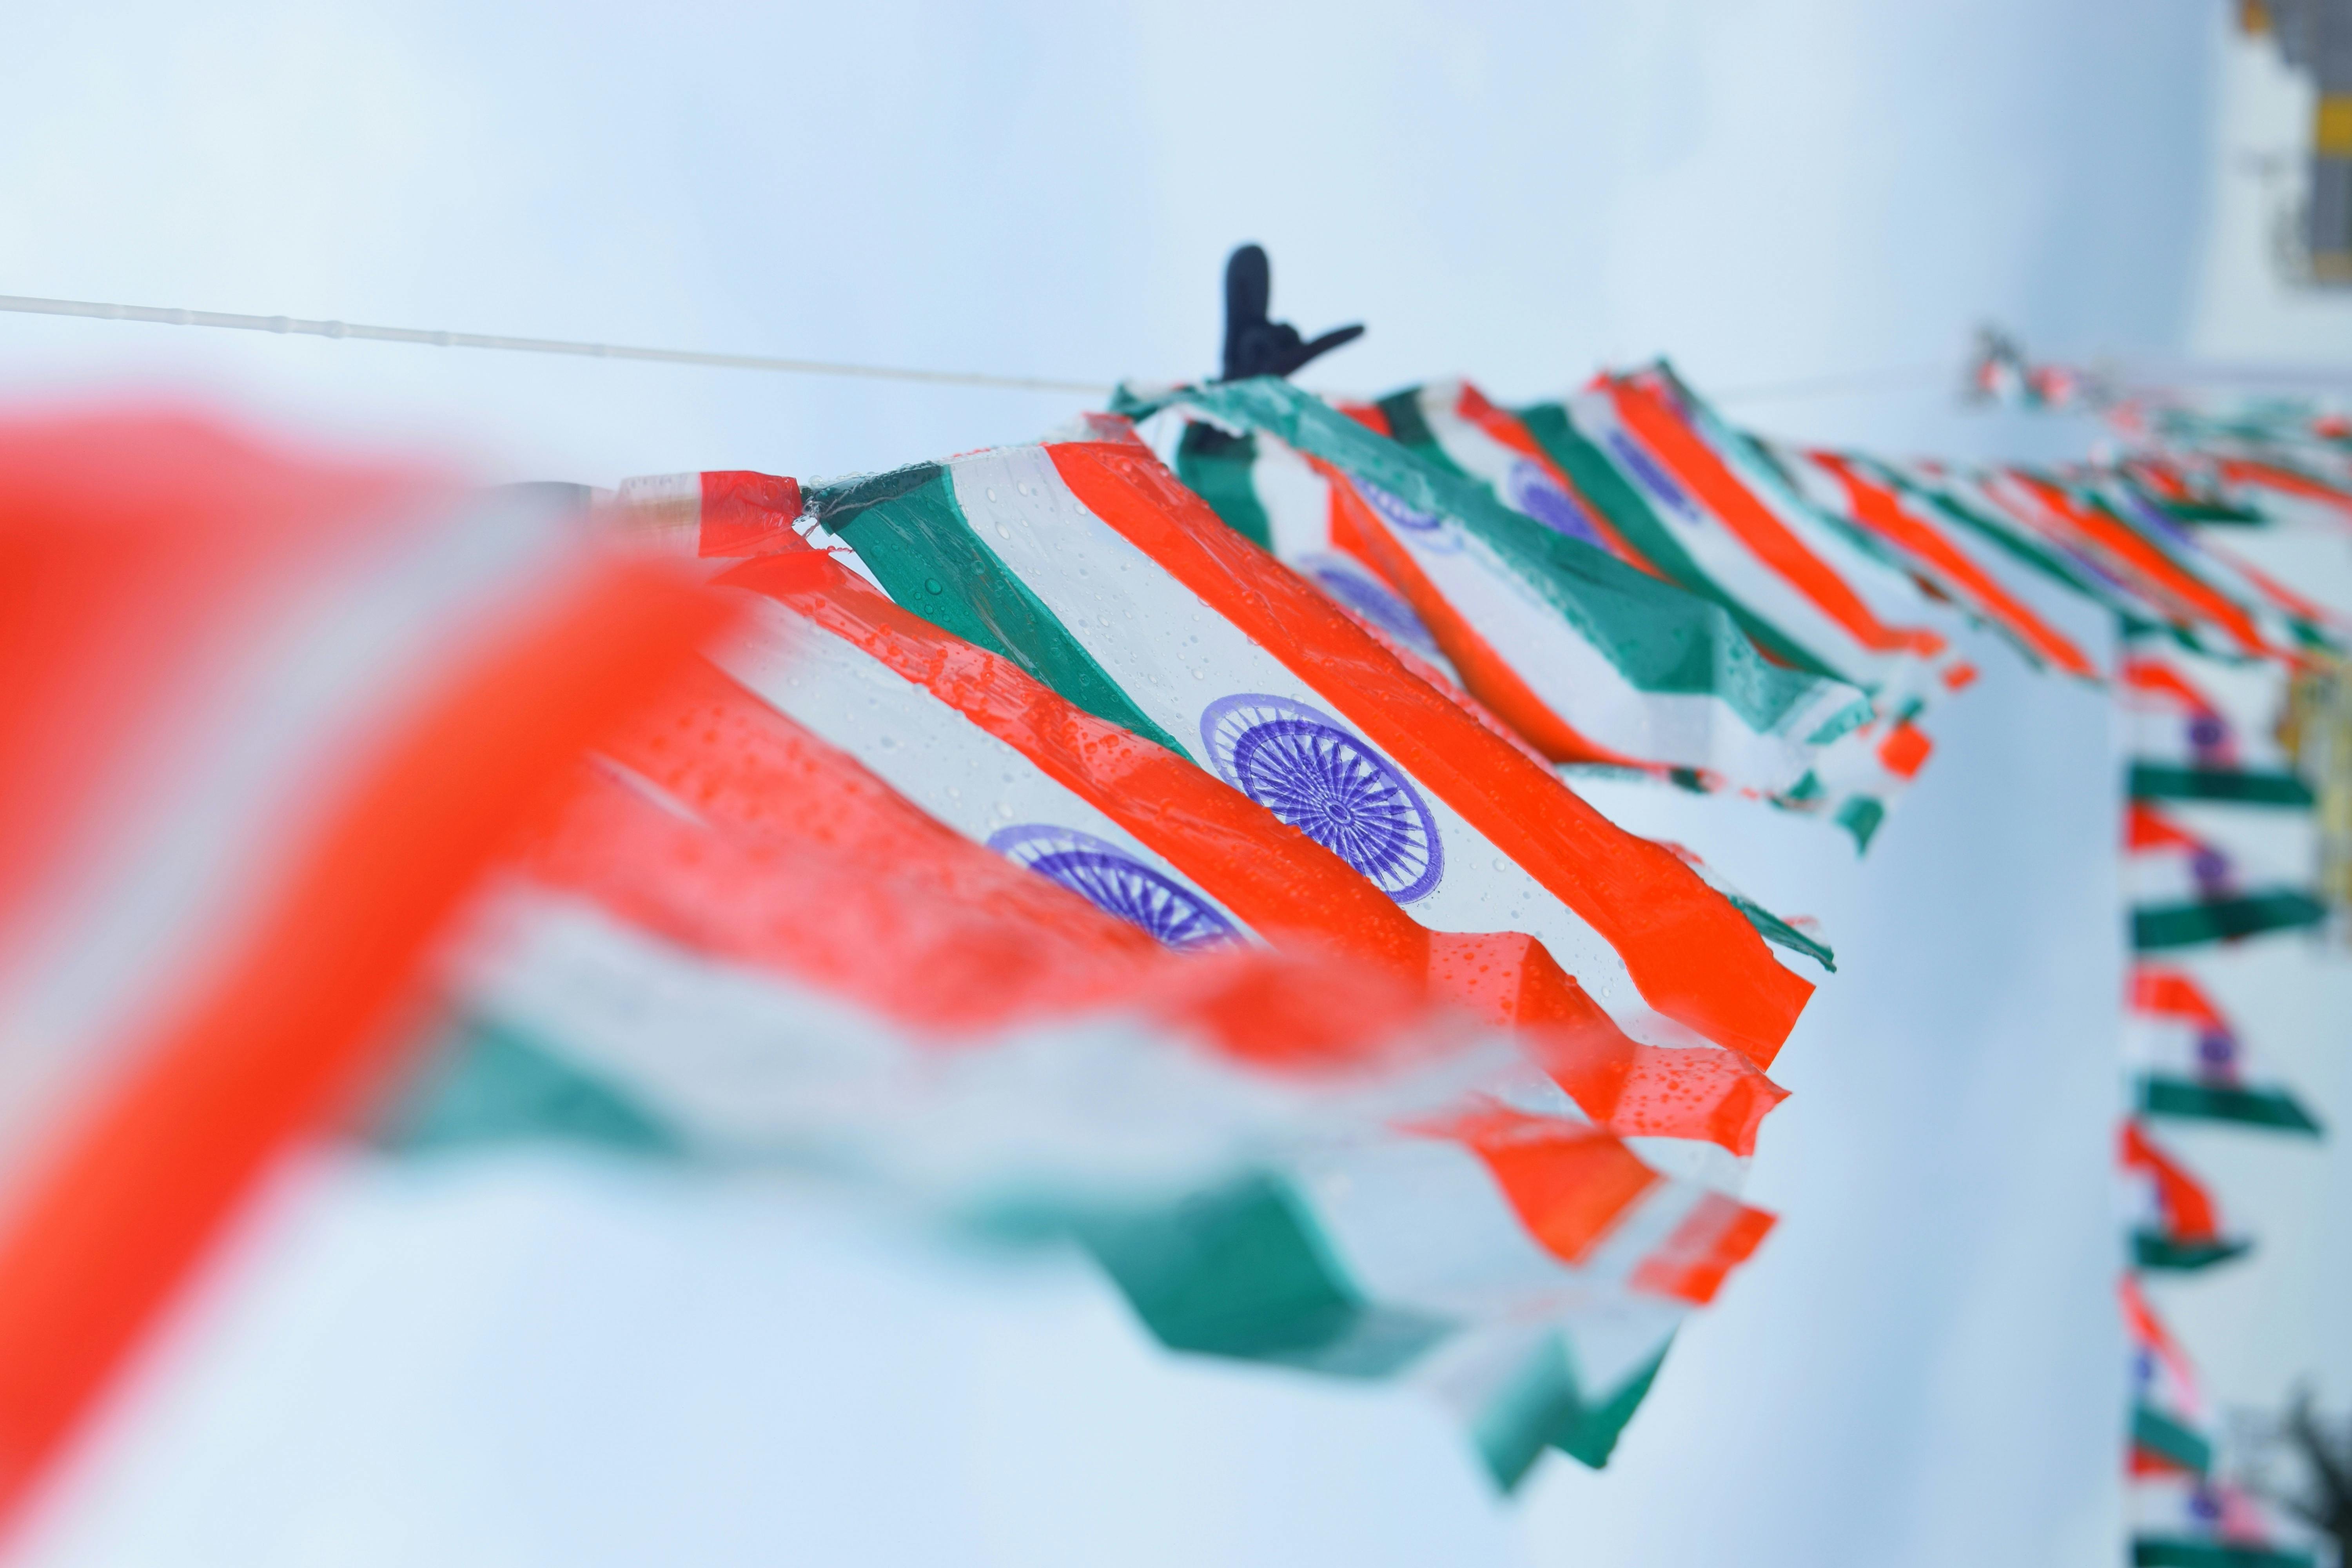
x: 533, y: 1361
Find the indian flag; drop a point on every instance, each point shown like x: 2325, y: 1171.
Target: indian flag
x: 2196, y: 874
x: 818, y: 644
x: 2183, y: 1513
x: 2204, y: 1521
x: 1540, y: 1321
x: 2293, y: 618
x: 1278, y: 1157
x: 2267, y: 497
x: 1593, y: 659
x: 1142, y: 833
x: 2179, y: 1225
x: 1952, y: 559
x: 2059, y: 528
x: 1977, y: 505
x: 2184, y: 486
x: 2271, y: 467
x: 2168, y: 1414
x: 2192, y: 1063
x: 1150, y: 838
x: 1087, y: 563
x: 1808, y: 593
x: 1707, y: 507
x: 725, y: 968
x: 2202, y: 728
x: 268, y: 721
x: 2158, y: 572
x: 2287, y: 483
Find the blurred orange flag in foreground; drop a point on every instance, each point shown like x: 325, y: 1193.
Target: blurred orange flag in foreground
x: 264, y: 718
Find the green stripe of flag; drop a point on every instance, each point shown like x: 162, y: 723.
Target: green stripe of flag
x: 2166, y: 780
x: 1764, y: 461
x: 1589, y: 1433
x: 492, y: 1084
x: 1513, y: 1431
x: 2178, y: 1551
x: 1546, y: 1408
x: 1860, y: 816
x: 2047, y: 561
x: 2164, y: 926
x: 1244, y: 1272
x: 2203, y: 512
x: 2151, y: 1249
x: 1661, y: 639
x: 908, y: 528
x: 1636, y: 522
x: 1779, y: 933
x: 1409, y: 428
x: 1216, y: 466
x: 2188, y: 1099
x: 2160, y: 1435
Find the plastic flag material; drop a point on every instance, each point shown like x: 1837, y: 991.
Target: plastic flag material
x: 2167, y: 1433
x: 1592, y: 658
x: 2198, y: 877
x: 2180, y: 1226
x: 1166, y: 845
x: 268, y: 719
x: 1709, y: 508
x: 2191, y: 1063
x: 2181, y: 1513
x: 2198, y: 1522
x: 656, y: 940
x: 1088, y: 564
x: 726, y: 515
x: 1947, y: 555
x: 1185, y: 864
x: 2204, y: 728
x: 1159, y: 842
x: 2222, y: 841
x: 1278, y: 1157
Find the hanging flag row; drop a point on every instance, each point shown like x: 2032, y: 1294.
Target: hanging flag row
x: 2233, y: 734
x: 1008, y: 835
x: 1164, y: 835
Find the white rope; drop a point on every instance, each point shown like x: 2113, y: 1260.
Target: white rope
x: 2189, y: 372
x: 23, y: 305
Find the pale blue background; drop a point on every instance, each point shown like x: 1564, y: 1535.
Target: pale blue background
x: 533, y: 1361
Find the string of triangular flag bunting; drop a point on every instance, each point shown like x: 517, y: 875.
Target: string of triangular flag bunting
x: 1164, y: 835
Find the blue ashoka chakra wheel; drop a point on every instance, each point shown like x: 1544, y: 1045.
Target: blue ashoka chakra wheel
x: 1369, y: 598
x: 1650, y: 476
x: 1534, y: 492
x: 1117, y: 883
x: 1310, y: 770
x: 1425, y: 528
